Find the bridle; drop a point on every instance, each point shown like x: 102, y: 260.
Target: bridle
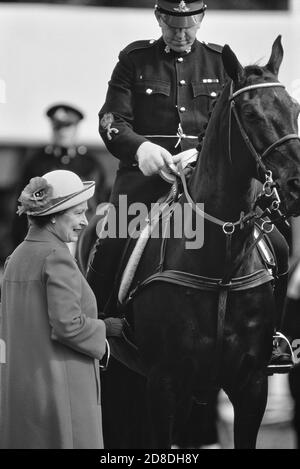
x: 269, y: 186
x: 258, y: 158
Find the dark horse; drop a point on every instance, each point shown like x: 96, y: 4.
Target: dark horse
x: 203, y: 319
x: 206, y: 319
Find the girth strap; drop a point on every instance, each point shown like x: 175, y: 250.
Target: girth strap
x: 198, y: 282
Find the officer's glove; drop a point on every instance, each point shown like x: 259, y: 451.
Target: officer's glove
x: 152, y: 158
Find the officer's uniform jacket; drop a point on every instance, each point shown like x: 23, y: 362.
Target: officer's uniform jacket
x: 51, y: 157
x: 159, y: 95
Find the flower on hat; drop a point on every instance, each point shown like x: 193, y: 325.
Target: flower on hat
x: 36, y: 195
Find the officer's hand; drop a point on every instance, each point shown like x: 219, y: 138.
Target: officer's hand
x: 151, y: 158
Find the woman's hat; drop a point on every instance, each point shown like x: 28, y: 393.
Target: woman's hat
x: 181, y: 14
x: 54, y: 192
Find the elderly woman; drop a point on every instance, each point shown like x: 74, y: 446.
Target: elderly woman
x: 50, y: 389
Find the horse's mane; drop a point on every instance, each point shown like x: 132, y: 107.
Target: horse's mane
x: 254, y: 70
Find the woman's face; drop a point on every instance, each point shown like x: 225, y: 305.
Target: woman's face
x: 69, y: 224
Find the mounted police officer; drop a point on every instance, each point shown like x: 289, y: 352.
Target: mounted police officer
x: 158, y: 101
x: 63, y: 153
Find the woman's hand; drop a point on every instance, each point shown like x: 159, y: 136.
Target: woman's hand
x: 114, y: 327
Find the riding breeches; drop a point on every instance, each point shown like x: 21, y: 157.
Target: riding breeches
x: 103, y: 268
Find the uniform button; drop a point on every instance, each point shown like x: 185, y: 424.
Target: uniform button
x: 149, y: 91
x: 213, y: 94
x: 182, y: 82
x: 180, y: 59
x: 65, y: 159
x: 81, y: 150
x: 182, y: 109
x: 48, y: 149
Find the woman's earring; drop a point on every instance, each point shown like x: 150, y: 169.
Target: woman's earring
x: 53, y: 221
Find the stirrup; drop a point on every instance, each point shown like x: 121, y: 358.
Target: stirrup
x: 282, y: 368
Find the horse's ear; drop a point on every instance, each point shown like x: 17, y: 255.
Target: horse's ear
x: 276, y: 56
x: 232, y: 66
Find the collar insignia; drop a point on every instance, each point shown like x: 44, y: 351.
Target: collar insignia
x: 182, y: 8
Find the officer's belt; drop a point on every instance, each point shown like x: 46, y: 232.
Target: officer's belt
x: 180, y: 137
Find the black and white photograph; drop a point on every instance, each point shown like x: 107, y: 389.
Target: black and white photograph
x: 149, y: 227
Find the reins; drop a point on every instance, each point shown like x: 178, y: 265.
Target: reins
x: 269, y: 187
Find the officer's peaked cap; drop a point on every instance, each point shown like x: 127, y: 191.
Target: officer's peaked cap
x: 63, y: 115
x: 181, y: 13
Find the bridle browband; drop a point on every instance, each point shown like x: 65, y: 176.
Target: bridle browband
x: 254, y: 87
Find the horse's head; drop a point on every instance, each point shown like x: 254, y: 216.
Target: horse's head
x: 267, y: 118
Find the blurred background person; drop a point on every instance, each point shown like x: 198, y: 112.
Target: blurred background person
x: 63, y: 152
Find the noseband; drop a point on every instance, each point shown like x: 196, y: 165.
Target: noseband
x: 273, y: 146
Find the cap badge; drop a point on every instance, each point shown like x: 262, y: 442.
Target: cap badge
x: 182, y: 8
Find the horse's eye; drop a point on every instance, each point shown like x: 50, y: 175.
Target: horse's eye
x: 249, y: 113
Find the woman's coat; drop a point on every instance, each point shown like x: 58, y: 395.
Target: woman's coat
x: 50, y: 391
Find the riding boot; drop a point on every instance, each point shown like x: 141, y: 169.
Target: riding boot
x: 103, y: 268
x: 281, y: 359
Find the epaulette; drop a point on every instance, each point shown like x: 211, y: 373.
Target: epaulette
x: 143, y: 44
x: 214, y: 47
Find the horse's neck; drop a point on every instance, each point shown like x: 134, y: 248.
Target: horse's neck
x: 221, y: 180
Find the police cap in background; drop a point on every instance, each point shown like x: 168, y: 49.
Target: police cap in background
x: 63, y: 115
